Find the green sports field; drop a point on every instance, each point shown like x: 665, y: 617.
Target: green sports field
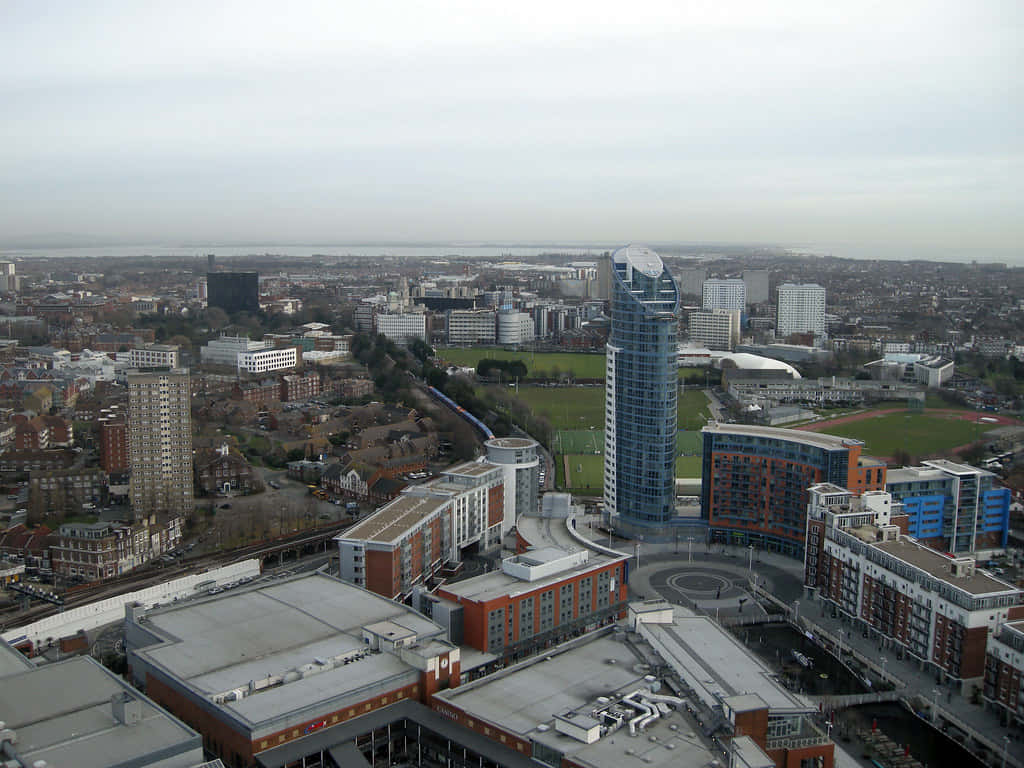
x: 692, y: 411
x: 577, y: 414
x: 566, y: 407
x: 581, y: 364
x: 586, y: 472
x: 580, y: 408
x: 589, y: 441
x: 920, y: 435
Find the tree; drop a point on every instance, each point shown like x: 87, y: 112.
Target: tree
x: 902, y: 458
x: 184, y: 342
x: 421, y: 350
x: 216, y: 318
x: 435, y: 377
x: 973, y: 454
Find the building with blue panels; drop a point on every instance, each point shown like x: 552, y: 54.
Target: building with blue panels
x: 953, y: 507
x: 641, y: 393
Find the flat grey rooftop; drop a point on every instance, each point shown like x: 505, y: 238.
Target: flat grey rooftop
x: 287, y: 629
x: 543, y: 531
x: 941, y: 567
x: 829, y: 488
x: 511, y: 442
x: 11, y: 661
x: 62, y: 714
x: 715, y: 664
x: 955, y: 468
x: 817, y: 439
x: 394, y: 519
x: 470, y: 469
x: 527, y: 695
x: 498, y: 583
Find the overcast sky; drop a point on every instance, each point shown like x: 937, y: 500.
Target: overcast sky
x: 795, y: 122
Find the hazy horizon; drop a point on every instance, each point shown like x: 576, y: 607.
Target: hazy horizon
x: 894, y: 128
x: 486, y: 250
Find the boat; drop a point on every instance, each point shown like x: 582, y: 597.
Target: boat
x: 803, y: 660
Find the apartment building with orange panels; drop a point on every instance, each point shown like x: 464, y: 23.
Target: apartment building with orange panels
x: 755, y: 481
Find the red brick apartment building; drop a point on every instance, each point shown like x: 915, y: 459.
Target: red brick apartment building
x: 1004, y: 671
x: 401, y: 545
x: 408, y: 540
x: 938, y: 608
x: 114, y: 445
x: 539, y: 598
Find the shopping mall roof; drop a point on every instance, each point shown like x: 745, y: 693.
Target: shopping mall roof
x: 526, y: 699
x: 63, y: 714
x: 714, y: 664
x: 293, y: 647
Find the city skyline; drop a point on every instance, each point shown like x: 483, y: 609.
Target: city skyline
x: 895, y: 129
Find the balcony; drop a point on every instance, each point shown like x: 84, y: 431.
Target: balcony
x: 809, y: 736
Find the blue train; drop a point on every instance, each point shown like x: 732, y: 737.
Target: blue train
x: 484, y: 429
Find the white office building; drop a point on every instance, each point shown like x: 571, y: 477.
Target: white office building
x: 266, y: 360
x: 514, y: 327
x: 225, y: 350
x: 402, y: 328
x: 471, y: 326
x: 724, y: 294
x: 801, y: 309
x: 154, y: 356
x: 717, y: 329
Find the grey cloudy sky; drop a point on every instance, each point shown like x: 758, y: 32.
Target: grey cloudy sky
x: 871, y: 122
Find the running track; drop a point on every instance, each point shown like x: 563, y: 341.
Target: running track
x: 999, y: 421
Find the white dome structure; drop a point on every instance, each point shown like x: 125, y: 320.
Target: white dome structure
x: 748, y: 362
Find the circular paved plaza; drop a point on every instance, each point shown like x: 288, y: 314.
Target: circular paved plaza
x: 698, y: 583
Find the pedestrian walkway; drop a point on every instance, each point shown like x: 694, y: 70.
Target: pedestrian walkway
x: 951, y: 707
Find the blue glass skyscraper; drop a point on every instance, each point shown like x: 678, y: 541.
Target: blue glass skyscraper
x: 641, y: 391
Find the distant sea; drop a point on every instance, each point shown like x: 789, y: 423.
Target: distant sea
x: 511, y: 251
x: 368, y: 250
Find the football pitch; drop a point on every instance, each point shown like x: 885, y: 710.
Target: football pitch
x: 919, y: 434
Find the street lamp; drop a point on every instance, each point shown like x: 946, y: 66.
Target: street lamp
x: 689, y: 548
x: 935, y: 705
x: 750, y: 557
x: 1006, y: 743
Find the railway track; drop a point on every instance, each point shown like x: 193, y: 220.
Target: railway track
x: 151, y: 575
